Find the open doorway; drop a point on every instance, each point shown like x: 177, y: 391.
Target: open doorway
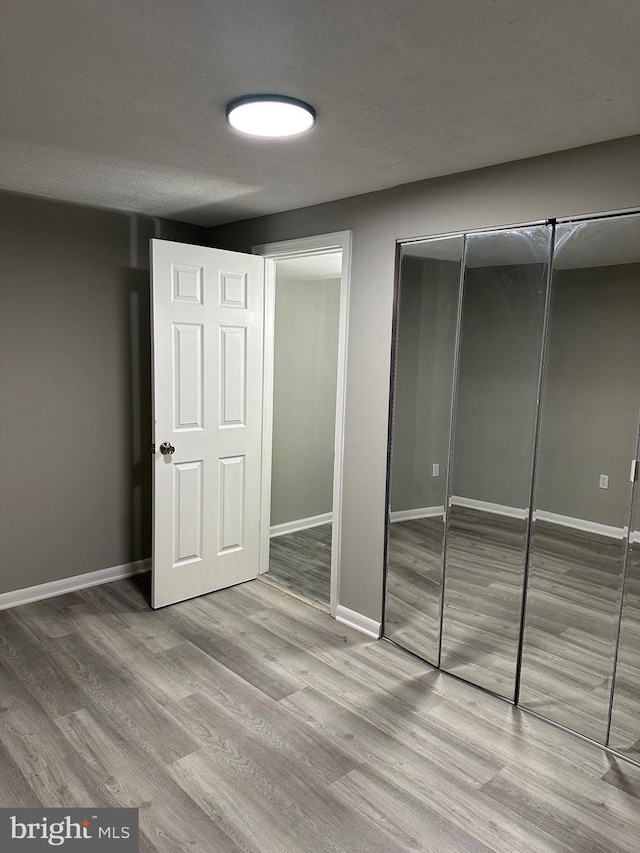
x: 305, y: 355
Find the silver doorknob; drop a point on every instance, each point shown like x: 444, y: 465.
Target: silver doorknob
x: 167, y: 449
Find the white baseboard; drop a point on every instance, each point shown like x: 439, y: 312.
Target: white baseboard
x: 486, y: 506
x: 361, y: 623
x: 542, y: 515
x: 581, y: 524
x: 412, y: 514
x: 64, y: 585
x: 300, y: 524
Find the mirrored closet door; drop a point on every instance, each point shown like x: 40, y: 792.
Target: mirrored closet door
x: 513, y: 553
x: 426, y: 323
x: 500, y: 350
x: 588, y: 431
x: 624, y: 734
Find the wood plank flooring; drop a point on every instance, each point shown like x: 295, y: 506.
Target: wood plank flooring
x: 301, y: 562
x: 249, y: 721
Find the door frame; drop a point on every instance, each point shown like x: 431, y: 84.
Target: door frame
x: 336, y: 241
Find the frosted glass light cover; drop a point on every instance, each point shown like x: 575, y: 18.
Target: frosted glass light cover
x: 270, y: 116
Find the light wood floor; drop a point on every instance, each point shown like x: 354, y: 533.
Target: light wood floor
x: 301, y: 562
x: 249, y: 721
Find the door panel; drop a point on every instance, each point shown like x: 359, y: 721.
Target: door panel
x: 501, y: 340
x: 207, y: 361
x: 233, y: 376
x: 427, y: 313
x: 588, y: 432
x: 187, y: 493
x: 188, y: 379
x: 231, y: 503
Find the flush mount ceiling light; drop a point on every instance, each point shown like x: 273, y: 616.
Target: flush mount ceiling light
x: 270, y: 115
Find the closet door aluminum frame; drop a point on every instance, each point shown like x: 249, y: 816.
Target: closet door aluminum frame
x: 452, y: 429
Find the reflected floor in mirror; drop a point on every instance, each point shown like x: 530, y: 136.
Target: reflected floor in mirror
x: 574, y: 593
x: 301, y: 562
x: 483, y: 598
x: 414, y: 569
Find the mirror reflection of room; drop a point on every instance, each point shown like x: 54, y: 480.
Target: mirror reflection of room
x: 501, y: 341
x: 307, y: 310
x: 425, y: 354
x: 588, y: 433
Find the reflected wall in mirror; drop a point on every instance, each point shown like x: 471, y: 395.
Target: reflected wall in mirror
x: 306, y: 331
x: 497, y: 392
x: 424, y: 365
x: 588, y: 430
x: 625, y: 718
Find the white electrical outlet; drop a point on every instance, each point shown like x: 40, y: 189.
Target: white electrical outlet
x: 604, y: 481
x: 435, y: 470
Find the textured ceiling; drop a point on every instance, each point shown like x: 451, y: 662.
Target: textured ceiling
x: 121, y: 102
x: 322, y: 265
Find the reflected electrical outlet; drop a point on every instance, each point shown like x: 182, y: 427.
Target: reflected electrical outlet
x: 604, y: 481
x: 435, y: 470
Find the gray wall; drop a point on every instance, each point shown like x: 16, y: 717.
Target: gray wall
x: 592, y: 394
x: 75, y: 431
x: 594, y: 178
x: 424, y: 379
x: 500, y: 351
x: 304, y: 398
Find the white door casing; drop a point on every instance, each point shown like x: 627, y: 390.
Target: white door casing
x: 342, y: 241
x: 207, y: 330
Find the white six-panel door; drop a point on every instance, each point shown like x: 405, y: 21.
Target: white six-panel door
x: 207, y: 316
